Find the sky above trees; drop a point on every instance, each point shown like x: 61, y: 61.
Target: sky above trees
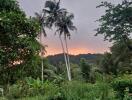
x: 82, y: 41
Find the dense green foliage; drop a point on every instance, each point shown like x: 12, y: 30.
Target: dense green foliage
x: 116, y: 26
x: 58, y: 58
x: 94, y: 76
x: 65, y: 91
x: 85, y: 69
x: 122, y: 85
x: 116, y: 23
x: 17, y: 41
x: 118, y: 61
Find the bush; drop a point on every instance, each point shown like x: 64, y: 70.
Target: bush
x: 73, y: 90
x: 52, y: 91
x: 31, y: 88
x: 27, y: 87
x: 121, y: 85
x: 14, y: 92
x: 85, y: 91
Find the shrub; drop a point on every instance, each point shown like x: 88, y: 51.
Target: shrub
x: 14, y: 92
x: 52, y: 91
x: 27, y: 87
x: 74, y: 90
x: 84, y: 91
x: 120, y: 85
x: 31, y: 88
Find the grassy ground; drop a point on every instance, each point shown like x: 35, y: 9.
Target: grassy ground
x: 34, y: 98
x: 2, y: 98
x: 28, y: 98
x: 68, y: 91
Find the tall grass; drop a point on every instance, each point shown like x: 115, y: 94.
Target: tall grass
x: 74, y: 90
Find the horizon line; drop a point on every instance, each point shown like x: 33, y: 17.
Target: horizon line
x: 73, y: 54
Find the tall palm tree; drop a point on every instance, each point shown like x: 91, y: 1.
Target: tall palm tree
x: 64, y: 24
x: 62, y: 20
x: 53, y: 10
x: 41, y: 19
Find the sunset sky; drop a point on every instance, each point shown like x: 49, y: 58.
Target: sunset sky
x: 82, y: 41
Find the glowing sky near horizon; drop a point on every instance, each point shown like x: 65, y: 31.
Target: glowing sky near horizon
x: 82, y: 41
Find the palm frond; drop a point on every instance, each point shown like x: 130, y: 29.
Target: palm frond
x: 50, y: 4
x: 40, y: 17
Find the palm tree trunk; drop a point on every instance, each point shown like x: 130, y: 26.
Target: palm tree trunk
x: 68, y: 60
x: 42, y: 74
x: 42, y: 65
x: 65, y: 58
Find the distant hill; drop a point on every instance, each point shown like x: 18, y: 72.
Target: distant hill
x: 91, y: 58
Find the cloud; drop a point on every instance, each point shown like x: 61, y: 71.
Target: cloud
x: 86, y: 13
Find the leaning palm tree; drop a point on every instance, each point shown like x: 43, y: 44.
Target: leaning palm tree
x: 47, y: 18
x: 52, y: 11
x: 64, y: 24
x: 62, y: 20
x: 41, y: 20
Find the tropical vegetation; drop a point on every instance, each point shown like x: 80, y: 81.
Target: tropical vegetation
x: 26, y: 74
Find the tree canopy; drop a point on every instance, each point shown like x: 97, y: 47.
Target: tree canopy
x: 116, y: 23
x: 117, y: 61
x: 17, y: 37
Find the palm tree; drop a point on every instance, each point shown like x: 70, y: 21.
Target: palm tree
x: 64, y: 24
x: 41, y: 20
x: 52, y: 9
x: 62, y: 20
